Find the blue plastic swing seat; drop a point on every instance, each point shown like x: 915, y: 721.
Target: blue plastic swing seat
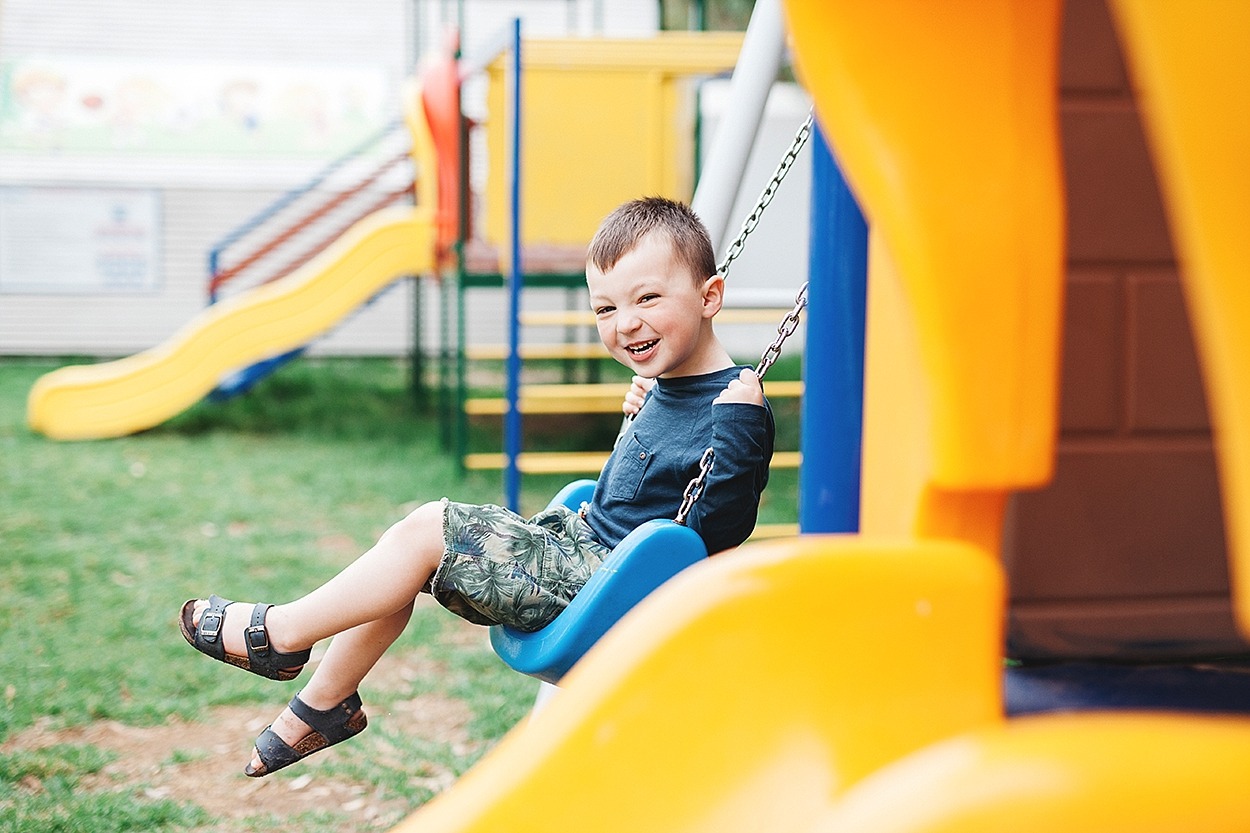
x: 646, y: 558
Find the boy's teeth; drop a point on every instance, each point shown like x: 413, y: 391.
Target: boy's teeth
x: 641, y: 348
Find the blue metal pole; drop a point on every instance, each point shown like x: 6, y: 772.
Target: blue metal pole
x: 512, y: 422
x: 833, y: 393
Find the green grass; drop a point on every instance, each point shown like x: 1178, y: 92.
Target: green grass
x: 59, y: 804
x: 259, y: 498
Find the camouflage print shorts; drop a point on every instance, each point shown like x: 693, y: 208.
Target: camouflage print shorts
x: 499, y: 568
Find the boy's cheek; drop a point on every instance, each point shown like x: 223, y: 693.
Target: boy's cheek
x: 605, y: 334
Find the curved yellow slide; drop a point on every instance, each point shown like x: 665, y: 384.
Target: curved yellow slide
x: 121, y: 397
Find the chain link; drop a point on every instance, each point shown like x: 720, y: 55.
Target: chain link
x: 784, y: 330
x: 695, y: 487
x: 770, y: 190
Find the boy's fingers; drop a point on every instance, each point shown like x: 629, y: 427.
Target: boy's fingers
x: 637, y: 393
x: 746, y: 388
x: 748, y: 377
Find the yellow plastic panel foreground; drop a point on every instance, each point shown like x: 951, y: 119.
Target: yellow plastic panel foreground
x: 1089, y: 773
x: 749, y: 692
x: 1189, y: 60
x: 128, y: 395
x: 943, y: 117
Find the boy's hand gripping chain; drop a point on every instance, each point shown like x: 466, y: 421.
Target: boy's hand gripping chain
x: 694, y: 489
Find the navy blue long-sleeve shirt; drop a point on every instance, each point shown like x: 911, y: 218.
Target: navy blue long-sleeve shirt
x: 647, y: 474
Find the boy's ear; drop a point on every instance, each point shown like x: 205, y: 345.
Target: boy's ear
x: 713, y: 295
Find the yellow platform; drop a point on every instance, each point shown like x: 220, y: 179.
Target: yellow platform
x: 578, y: 462
x: 604, y: 398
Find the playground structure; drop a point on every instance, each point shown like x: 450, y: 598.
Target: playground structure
x: 856, y: 682
x: 636, y: 101
x: 254, y: 328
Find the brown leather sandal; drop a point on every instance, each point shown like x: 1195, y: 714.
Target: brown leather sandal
x: 261, y: 659
x: 329, y: 727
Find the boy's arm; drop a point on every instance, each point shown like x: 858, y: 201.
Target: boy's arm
x: 742, y: 435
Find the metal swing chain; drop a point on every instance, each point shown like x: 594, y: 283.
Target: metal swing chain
x: 784, y: 330
x: 766, y: 196
x: 694, y: 489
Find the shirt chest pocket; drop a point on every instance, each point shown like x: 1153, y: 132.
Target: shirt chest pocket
x: 629, y: 470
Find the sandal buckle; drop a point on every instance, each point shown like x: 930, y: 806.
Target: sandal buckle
x: 210, y: 626
x: 257, y: 638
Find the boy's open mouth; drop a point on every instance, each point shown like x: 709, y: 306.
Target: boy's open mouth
x: 639, y: 349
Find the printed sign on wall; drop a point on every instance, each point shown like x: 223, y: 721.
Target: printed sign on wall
x: 79, y: 240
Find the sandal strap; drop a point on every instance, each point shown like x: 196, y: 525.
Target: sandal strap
x: 329, y: 723
x: 262, y: 658
x: 206, y: 637
x: 274, y: 752
x: 208, y: 632
x: 256, y: 635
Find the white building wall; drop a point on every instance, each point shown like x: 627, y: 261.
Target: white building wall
x: 200, y: 195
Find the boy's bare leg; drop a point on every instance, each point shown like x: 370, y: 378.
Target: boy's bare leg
x: 349, y: 658
x: 381, y: 582
x: 365, y: 608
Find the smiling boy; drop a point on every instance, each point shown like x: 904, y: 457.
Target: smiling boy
x: 654, y: 289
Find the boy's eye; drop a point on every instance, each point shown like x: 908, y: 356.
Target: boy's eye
x: 648, y: 297
x: 603, y: 310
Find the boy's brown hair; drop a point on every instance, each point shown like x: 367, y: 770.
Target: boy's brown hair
x: 625, y: 227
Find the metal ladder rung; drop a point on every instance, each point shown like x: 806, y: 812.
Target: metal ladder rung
x: 601, y: 398
x: 586, y: 318
x: 541, y: 462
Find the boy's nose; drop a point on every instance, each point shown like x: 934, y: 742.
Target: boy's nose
x: 627, y: 322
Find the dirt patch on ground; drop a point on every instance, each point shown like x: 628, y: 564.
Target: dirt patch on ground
x: 201, y: 762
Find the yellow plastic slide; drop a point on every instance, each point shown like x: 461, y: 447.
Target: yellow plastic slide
x: 131, y: 394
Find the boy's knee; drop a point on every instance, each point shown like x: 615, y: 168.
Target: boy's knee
x: 427, y: 515
x: 424, y: 522
x: 433, y: 508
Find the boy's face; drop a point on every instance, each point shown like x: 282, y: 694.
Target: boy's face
x: 652, y: 315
